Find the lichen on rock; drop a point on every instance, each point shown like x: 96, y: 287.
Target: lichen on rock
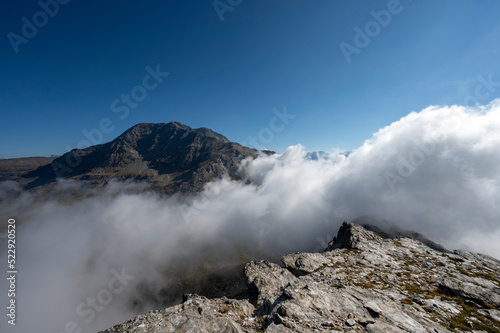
x: 363, y: 282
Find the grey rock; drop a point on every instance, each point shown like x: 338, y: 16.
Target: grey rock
x: 351, y: 236
x: 328, y: 324
x: 364, y: 283
x: 365, y: 320
x: 267, y: 280
x: 381, y: 327
x: 391, y: 230
x: 350, y: 322
x: 471, y: 291
x: 490, y: 312
x: 273, y: 328
x: 372, y: 306
x: 304, y: 263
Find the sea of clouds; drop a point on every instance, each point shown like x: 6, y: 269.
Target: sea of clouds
x: 436, y: 171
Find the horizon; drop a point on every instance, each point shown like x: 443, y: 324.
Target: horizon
x: 343, y: 70
x: 97, y: 132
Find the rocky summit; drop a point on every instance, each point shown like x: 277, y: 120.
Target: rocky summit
x: 171, y: 157
x: 363, y: 282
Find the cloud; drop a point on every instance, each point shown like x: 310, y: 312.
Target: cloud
x: 436, y: 171
x: 9, y: 189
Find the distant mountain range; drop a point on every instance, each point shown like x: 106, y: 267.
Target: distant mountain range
x: 172, y: 157
x: 317, y: 155
x: 14, y: 168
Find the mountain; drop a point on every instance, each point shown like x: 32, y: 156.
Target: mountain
x: 13, y: 168
x: 363, y: 282
x: 172, y: 157
x: 317, y: 155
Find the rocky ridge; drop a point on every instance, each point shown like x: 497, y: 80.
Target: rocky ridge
x: 363, y: 282
x: 13, y: 168
x: 171, y: 157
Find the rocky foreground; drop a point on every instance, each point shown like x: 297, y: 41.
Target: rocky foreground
x: 363, y: 282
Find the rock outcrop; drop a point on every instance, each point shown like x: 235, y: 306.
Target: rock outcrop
x: 363, y: 282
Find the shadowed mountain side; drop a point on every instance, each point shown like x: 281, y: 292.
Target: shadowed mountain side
x: 172, y: 157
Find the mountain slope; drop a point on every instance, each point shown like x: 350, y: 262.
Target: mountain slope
x: 172, y: 157
x: 13, y: 168
x: 363, y: 282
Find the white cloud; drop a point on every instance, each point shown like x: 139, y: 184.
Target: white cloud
x: 436, y: 171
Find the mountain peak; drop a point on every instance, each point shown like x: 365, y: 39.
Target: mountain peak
x: 172, y: 156
x: 142, y: 129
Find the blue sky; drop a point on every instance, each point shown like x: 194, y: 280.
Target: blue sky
x: 230, y: 74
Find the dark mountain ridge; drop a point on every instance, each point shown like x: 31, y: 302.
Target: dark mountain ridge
x: 171, y: 156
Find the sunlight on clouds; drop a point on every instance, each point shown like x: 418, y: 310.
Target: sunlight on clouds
x: 436, y: 171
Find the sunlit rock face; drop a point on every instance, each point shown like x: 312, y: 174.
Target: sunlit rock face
x: 363, y: 282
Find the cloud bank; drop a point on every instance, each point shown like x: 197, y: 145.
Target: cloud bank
x: 101, y: 260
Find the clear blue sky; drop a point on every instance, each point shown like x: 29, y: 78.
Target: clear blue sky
x: 229, y: 75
